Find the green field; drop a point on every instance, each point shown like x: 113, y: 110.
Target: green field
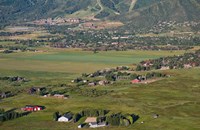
x: 76, y: 61
x: 175, y: 99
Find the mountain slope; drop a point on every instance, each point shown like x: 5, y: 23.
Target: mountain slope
x: 134, y: 13
x: 162, y: 10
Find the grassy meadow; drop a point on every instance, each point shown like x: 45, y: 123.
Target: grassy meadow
x: 175, y: 99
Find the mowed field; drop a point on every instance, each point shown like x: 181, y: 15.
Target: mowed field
x: 175, y: 99
x: 75, y: 61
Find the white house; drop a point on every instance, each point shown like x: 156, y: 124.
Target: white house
x: 95, y: 124
x: 65, y: 118
x: 92, y: 121
x: 80, y: 126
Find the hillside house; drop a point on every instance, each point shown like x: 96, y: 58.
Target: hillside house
x: 91, y: 120
x: 103, y: 82
x: 80, y: 126
x: 32, y: 90
x: 187, y: 66
x: 92, y: 84
x: 58, y: 96
x: 65, y: 118
x: 96, y: 125
x: 135, y: 81
x: 61, y: 96
x: 164, y: 68
x: 32, y: 108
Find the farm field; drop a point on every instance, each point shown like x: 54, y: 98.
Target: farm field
x: 76, y: 61
x: 175, y: 99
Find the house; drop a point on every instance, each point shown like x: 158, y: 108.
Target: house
x: 92, y: 84
x: 135, y: 81
x: 95, y: 125
x: 85, y: 81
x: 103, y: 82
x: 59, y: 96
x: 32, y: 91
x: 65, y: 118
x: 80, y: 126
x: 155, y: 116
x: 164, y: 68
x: 187, y: 66
x: 91, y: 120
x: 32, y: 108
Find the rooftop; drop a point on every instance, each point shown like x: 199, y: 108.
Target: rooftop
x: 91, y: 119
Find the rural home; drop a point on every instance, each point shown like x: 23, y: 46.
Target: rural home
x: 65, y: 118
x: 135, y: 81
x: 92, y: 84
x: 80, y: 126
x: 95, y: 125
x: 103, y: 82
x: 61, y: 96
x: 32, y: 108
x: 187, y: 66
x: 85, y: 81
x: 164, y: 68
x: 91, y: 120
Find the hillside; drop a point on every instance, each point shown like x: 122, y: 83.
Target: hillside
x: 134, y: 13
x: 162, y: 10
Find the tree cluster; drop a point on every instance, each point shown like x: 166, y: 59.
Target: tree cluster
x: 10, y: 115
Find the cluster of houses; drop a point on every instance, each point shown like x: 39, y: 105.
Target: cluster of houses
x: 187, y: 60
x: 91, y: 25
x: 14, y: 79
x: 59, y: 96
x: 92, y: 83
x: 110, y: 75
x: 57, y: 21
x: 43, y: 92
x: 91, y: 121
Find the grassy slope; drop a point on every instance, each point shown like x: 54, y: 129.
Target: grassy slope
x: 175, y: 99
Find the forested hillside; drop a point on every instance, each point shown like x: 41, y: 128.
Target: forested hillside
x: 134, y: 13
x: 162, y: 10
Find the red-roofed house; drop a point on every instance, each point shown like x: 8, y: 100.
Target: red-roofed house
x: 32, y: 108
x: 135, y: 81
